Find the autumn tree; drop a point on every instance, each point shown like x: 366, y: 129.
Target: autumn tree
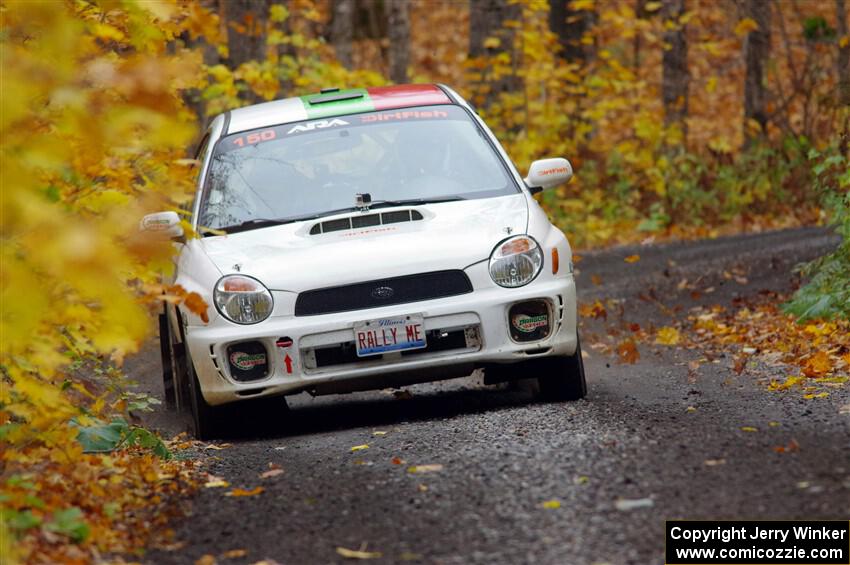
x: 489, y: 37
x: 398, y: 22
x: 675, y: 75
x: 756, y: 53
x: 342, y: 31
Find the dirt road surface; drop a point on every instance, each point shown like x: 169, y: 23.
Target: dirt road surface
x: 646, y: 432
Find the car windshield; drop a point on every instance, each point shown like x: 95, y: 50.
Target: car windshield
x: 307, y: 169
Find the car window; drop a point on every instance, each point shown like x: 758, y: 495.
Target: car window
x: 320, y: 165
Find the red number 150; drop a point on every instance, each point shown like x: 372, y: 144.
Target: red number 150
x: 253, y: 138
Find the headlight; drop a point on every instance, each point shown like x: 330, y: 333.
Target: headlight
x: 516, y: 261
x: 242, y: 299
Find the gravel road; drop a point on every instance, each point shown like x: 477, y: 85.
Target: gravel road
x: 503, y: 454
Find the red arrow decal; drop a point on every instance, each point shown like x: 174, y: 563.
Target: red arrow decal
x: 288, y: 361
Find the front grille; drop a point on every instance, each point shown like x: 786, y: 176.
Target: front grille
x: 382, y: 292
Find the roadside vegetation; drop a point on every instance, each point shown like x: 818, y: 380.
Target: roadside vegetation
x: 683, y: 119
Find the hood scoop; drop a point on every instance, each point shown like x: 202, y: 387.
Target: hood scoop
x: 366, y: 220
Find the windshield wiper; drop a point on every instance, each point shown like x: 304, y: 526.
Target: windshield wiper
x: 414, y: 201
x: 257, y: 223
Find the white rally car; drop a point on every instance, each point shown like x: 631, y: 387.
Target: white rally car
x: 361, y: 239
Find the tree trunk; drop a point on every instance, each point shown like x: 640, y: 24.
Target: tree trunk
x: 246, y: 29
x: 342, y: 31
x: 843, y: 54
x: 756, y: 51
x: 675, y: 76
x: 570, y: 26
x: 486, y: 20
x: 398, y: 20
x: 246, y: 35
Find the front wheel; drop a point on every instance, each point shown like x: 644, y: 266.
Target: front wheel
x: 204, y: 416
x: 562, y: 378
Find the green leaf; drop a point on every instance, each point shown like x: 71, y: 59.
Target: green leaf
x: 69, y: 522
x: 101, y: 438
x: 21, y: 520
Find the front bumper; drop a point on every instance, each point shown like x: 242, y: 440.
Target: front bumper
x: 478, y: 323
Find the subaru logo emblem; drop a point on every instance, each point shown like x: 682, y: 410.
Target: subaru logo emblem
x: 382, y: 292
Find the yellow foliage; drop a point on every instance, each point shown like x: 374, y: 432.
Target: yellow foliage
x: 745, y: 26
x: 93, y: 127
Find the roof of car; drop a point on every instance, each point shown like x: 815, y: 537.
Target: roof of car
x: 335, y: 102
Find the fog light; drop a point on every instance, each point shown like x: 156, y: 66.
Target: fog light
x: 249, y: 361
x: 530, y: 321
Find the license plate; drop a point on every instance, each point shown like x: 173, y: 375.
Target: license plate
x: 385, y: 335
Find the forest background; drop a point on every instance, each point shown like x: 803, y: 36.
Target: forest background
x: 682, y: 118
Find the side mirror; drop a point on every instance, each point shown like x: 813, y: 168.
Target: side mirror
x: 548, y: 173
x: 166, y: 224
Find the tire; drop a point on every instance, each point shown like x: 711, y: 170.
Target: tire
x: 204, y: 417
x: 562, y: 378
x: 173, y: 354
x: 165, y: 352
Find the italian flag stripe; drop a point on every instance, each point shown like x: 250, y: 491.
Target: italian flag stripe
x: 340, y: 107
x: 374, y: 99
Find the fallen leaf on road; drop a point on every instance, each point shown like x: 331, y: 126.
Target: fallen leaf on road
x: 266, y: 562
x: 714, y: 462
x: 423, y: 488
x: 244, y: 492
x: 667, y: 336
x: 379, y: 433
x: 215, y: 482
x: 749, y: 429
x: 739, y: 365
x: 397, y: 461
x: 788, y: 383
x: 271, y: 473
x: 626, y: 504
x: 234, y: 553
x: 817, y: 365
x: 596, y: 311
x: 792, y: 446
x: 357, y: 553
x: 360, y: 447
x: 206, y: 560
x: 628, y: 352
x: 845, y: 410
x: 632, y: 258
x: 425, y: 468
x: 552, y: 504
x: 217, y: 447
x: 691, y: 409
x: 812, y: 395
x: 581, y: 480
x: 773, y: 424
x: 596, y: 280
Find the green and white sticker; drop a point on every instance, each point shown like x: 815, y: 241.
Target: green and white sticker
x: 528, y: 324
x: 247, y: 361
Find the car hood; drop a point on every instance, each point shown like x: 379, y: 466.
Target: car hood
x: 451, y: 235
